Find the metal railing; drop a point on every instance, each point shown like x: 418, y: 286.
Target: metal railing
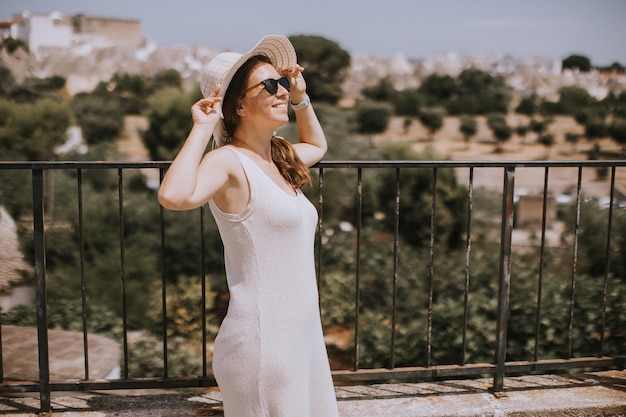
x: 498, y: 368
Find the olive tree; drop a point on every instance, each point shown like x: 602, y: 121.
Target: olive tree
x: 326, y: 65
x: 373, y: 117
x: 100, y: 117
x: 32, y: 131
x: 432, y: 121
x: 617, y: 130
x: 579, y: 62
x: 468, y: 127
x: 170, y: 122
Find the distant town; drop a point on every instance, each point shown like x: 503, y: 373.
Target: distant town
x: 53, y: 31
x: 87, y: 50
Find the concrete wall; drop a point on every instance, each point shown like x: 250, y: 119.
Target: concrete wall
x: 121, y: 32
x: 529, y: 211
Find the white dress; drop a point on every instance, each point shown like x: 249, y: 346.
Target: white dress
x: 269, y: 358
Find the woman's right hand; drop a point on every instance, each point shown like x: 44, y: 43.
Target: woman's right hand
x: 207, y: 110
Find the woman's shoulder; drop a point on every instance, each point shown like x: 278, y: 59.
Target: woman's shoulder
x: 221, y: 159
x: 223, y: 154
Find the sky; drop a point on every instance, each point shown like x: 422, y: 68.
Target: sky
x: 383, y: 28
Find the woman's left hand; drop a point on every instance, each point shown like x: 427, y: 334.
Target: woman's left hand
x: 298, y: 85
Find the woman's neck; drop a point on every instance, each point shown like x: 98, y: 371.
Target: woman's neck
x: 260, y: 144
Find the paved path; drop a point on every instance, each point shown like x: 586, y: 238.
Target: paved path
x: 65, y: 354
x: 592, y: 394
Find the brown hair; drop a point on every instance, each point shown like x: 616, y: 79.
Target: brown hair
x: 284, y: 155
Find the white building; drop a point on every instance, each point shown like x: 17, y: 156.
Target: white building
x: 58, y: 31
x: 40, y: 31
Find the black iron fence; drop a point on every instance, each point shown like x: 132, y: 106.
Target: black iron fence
x: 504, y: 173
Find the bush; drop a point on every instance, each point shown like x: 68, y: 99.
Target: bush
x: 146, y: 359
x: 100, y: 117
x: 373, y: 117
x: 170, y: 122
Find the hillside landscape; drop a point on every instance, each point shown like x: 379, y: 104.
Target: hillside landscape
x: 118, y: 105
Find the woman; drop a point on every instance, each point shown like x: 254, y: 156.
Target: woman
x: 269, y: 357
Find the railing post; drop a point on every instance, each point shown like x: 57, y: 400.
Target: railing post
x: 504, y: 278
x: 41, y: 298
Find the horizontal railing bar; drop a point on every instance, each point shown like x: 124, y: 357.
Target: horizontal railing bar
x: 140, y: 383
x: 449, y: 371
x: 465, y: 164
x: 323, y: 164
x: 564, y: 364
x: 143, y: 383
x: 365, y: 375
x: 82, y: 164
x: 361, y: 375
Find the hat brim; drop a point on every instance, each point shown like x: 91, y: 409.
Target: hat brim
x: 281, y: 54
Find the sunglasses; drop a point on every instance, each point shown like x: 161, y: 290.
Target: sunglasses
x: 271, y: 85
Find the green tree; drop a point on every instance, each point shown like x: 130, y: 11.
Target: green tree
x: 581, y: 117
x: 522, y: 130
x: 593, y: 236
x: 372, y: 117
x: 547, y: 140
x: 595, y: 128
x: 406, y: 124
x: 617, y: 130
x: 182, y: 253
x: 32, y: 131
x: 502, y: 133
x: 496, y: 119
x: 67, y: 315
x: 538, y: 126
x: 100, y: 117
x: 479, y: 93
x: 432, y: 120
x: 130, y: 90
x: 468, y: 127
x: 167, y: 78
x: 15, y: 189
x: 146, y: 358
x: 416, y: 200
x: 184, y: 310
x: 573, y: 99
x: 580, y: 62
x: 7, y: 81
x: 617, y: 67
x: 439, y: 88
x: 383, y: 91
x: 170, y: 122
x: 573, y: 139
x: 34, y: 89
x: 528, y: 105
x: 618, y: 104
x: 326, y: 65
x: 407, y: 103
x: 12, y: 44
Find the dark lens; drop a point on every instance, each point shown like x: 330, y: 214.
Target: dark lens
x: 270, y: 85
x: 285, y: 83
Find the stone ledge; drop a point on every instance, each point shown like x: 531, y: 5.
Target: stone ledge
x: 590, y: 394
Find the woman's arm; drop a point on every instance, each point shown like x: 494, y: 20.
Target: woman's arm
x: 312, y: 145
x: 182, y: 188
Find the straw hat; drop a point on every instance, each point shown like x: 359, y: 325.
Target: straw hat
x: 221, y: 69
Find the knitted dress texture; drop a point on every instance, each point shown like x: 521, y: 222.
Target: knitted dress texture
x: 269, y: 358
